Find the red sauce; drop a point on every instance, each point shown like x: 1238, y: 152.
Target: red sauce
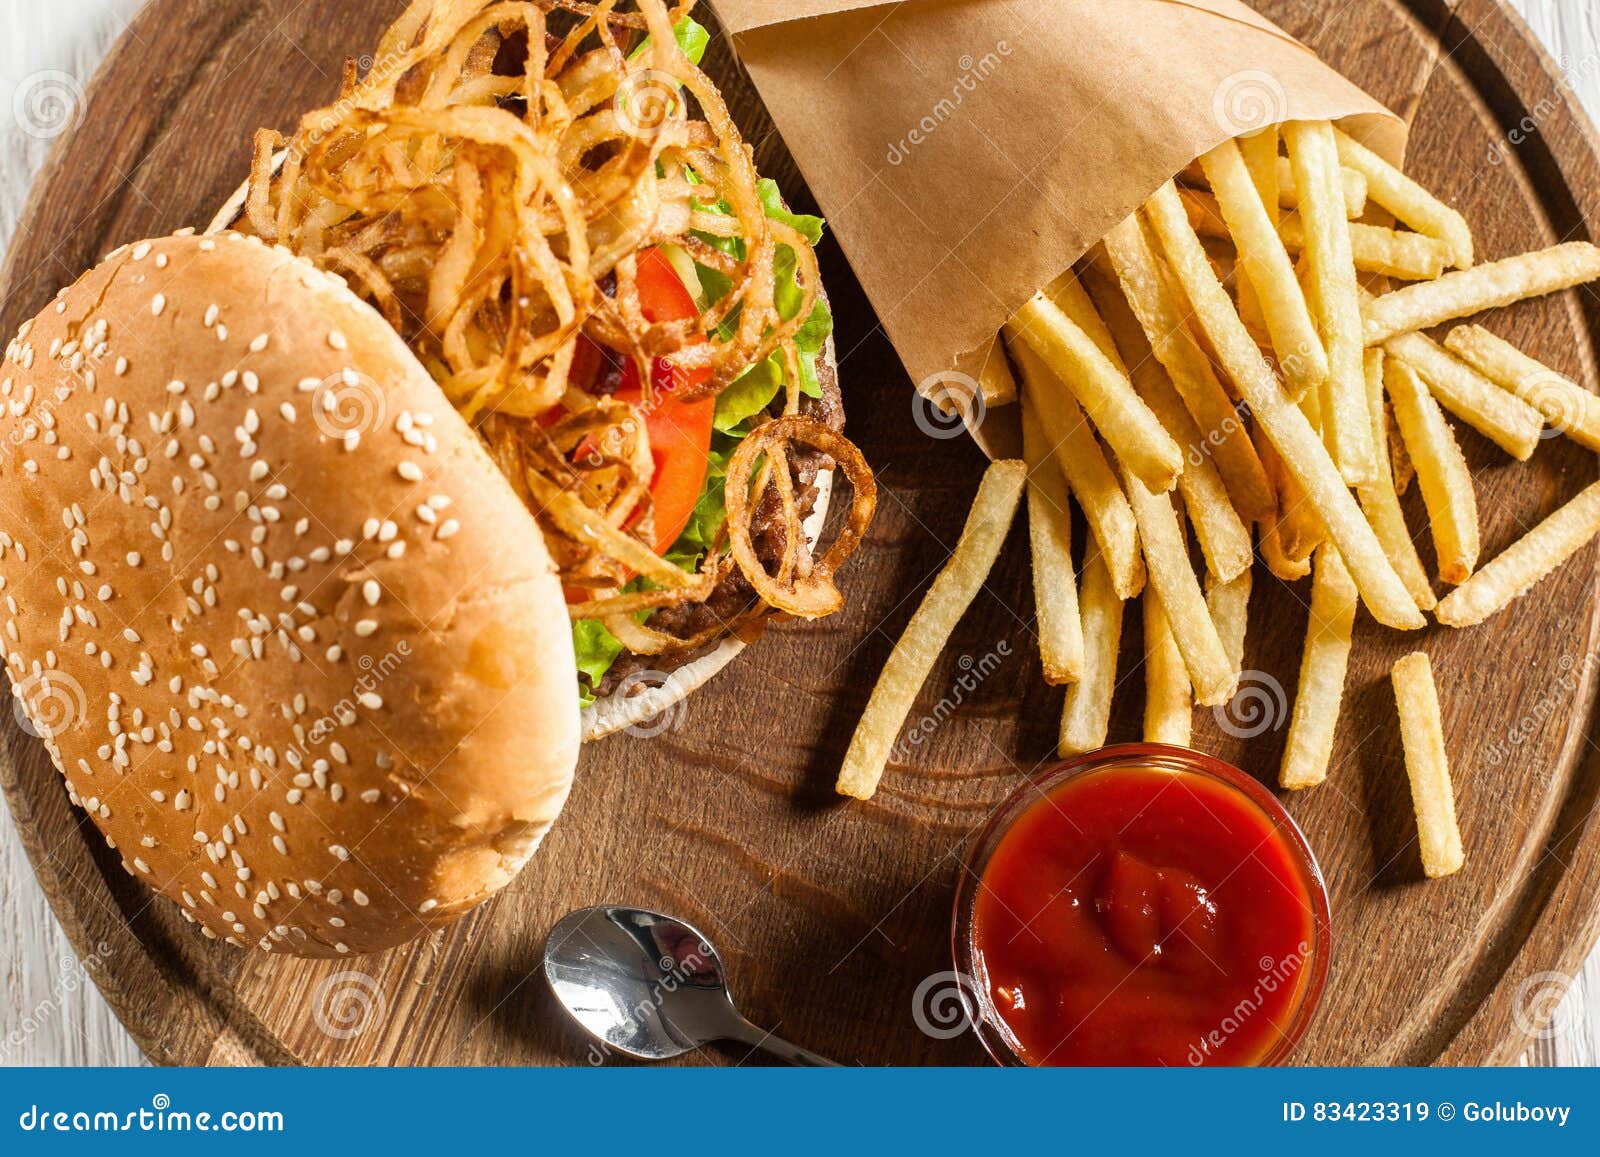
x: 1143, y: 916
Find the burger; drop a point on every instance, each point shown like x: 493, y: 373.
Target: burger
x: 330, y: 535
x: 553, y: 206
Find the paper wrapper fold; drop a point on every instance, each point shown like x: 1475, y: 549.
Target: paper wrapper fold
x: 967, y: 152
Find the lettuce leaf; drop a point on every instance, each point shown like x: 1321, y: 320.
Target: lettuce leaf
x: 750, y: 394
x: 772, y: 201
x: 596, y: 649
x: 692, y: 39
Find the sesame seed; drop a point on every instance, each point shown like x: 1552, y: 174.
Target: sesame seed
x: 157, y: 304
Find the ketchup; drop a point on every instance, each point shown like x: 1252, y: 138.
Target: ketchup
x: 1147, y: 915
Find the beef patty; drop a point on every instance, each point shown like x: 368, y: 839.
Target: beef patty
x: 733, y: 604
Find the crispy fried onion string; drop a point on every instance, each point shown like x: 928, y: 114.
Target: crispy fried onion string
x: 488, y: 183
x: 805, y: 592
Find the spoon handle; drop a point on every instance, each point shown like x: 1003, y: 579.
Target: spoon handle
x: 793, y: 1054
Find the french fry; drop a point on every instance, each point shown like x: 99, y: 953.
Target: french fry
x: 1166, y: 563
x: 1226, y: 441
x: 1126, y: 423
x: 1376, y: 249
x: 1070, y: 296
x: 1088, y: 474
x: 1296, y: 530
x: 1399, y: 460
x: 1224, y: 539
x: 1422, y: 736
x: 1347, y: 429
x: 907, y: 667
x: 1168, y: 710
x: 1352, y: 187
x: 1086, y: 715
x: 1386, y: 252
x: 1322, y: 671
x: 1229, y: 603
x: 995, y: 384
x: 1291, y: 435
x: 1266, y: 265
x: 1441, y: 471
x: 1566, y: 406
x: 1277, y: 559
x: 1382, y: 504
x: 1523, y: 564
x: 1055, y: 588
x: 1491, y: 286
x: 1503, y: 418
x: 1259, y: 151
x: 1379, y: 250
x: 1407, y: 200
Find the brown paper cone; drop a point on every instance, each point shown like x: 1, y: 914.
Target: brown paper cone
x: 966, y: 152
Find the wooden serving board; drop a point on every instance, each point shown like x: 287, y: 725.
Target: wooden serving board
x: 831, y: 914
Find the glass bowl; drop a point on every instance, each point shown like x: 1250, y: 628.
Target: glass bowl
x: 990, y: 1027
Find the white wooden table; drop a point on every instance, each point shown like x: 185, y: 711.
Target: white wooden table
x: 50, y: 1012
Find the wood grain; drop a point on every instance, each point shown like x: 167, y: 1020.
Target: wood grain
x: 830, y: 915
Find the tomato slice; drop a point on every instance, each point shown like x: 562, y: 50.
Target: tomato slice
x: 680, y: 431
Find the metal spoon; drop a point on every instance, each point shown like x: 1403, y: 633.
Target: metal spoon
x: 649, y: 986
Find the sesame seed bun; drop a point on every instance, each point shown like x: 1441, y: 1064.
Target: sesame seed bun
x: 295, y: 644
x: 645, y: 700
